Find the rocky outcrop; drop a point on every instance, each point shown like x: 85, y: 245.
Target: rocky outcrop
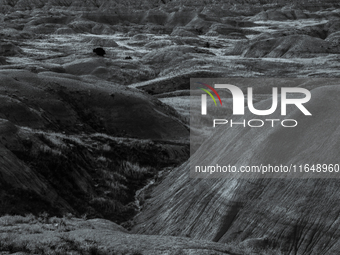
x: 174, y: 54
x: 102, y: 42
x: 334, y: 39
x: 224, y: 29
x: 180, y: 31
x: 158, y: 44
x: 180, y: 18
x: 64, y: 31
x: 288, y: 47
x: 200, y: 24
x: 286, y: 13
x: 9, y: 49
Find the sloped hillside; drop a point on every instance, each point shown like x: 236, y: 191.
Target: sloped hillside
x: 59, y: 102
x: 288, y: 47
x: 69, y: 235
x: 81, y: 145
x: 300, y: 216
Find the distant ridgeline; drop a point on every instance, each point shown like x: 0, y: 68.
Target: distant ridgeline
x: 105, y: 4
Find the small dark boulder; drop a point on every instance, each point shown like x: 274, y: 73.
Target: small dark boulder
x: 99, y: 51
x: 207, y: 45
x: 128, y: 57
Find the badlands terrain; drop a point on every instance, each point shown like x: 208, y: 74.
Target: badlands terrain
x: 94, y: 150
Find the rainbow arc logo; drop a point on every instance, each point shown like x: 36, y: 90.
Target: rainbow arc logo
x: 204, y: 97
x: 208, y: 92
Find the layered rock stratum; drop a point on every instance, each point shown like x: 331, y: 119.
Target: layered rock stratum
x: 298, y: 215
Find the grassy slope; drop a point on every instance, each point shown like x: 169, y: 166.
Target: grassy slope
x: 51, y: 235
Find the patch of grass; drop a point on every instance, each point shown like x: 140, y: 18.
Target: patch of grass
x: 114, y: 167
x: 32, y: 229
x: 134, y: 170
x: 10, y: 244
x: 8, y: 220
x: 70, y: 244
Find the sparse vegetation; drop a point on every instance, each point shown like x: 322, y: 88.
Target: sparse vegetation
x: 29, y: 225
x: 114, y: 179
